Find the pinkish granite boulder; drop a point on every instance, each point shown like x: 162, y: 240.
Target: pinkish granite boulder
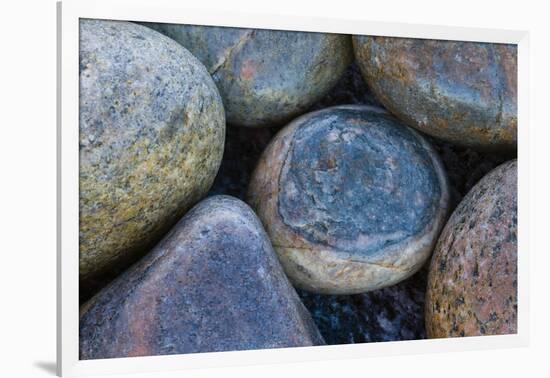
x: 472, y: 284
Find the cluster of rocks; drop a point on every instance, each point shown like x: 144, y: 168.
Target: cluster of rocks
x: 245, y: 189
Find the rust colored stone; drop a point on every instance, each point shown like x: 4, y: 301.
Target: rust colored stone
x: 472, y: 284
x: 461, y: 92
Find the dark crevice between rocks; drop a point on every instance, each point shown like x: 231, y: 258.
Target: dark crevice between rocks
x: 389, y: 314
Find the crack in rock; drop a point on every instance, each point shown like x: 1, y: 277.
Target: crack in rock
x: 222, y: 63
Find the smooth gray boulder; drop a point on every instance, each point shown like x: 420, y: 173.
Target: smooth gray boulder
x: 265, y: 77
x: 212, y: 284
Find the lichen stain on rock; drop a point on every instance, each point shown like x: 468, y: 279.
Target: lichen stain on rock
x: 212, y: 284
x: 152, y: 130
x: 461, y: 92
x: 472, y: 285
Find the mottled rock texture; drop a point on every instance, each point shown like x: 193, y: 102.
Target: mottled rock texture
x: 352, y: 200
x: 152, y: 131
x: 265, y: 77
x: 461, y: 92
x: 472, y: 285
x: 212, y: 284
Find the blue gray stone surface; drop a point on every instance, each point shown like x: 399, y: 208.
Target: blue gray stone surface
x: 352, y: 200
x: 266, y: 77
x: 212, y: 284
x: 395, y: 201
x: 152, y: 131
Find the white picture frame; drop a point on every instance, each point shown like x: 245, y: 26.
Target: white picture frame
x: 175, y: 11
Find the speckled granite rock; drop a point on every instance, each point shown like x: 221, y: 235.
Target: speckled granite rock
x: 265, y: 77
x: 213, y: 284
x: 352, y: 200
x: 472, y: 285
x: 462, y: 92
x: 151, y: 140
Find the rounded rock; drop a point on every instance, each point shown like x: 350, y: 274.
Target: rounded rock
x: 472, y: 284
x: 265, y: 77
x: 152, y: 130
x: 462, y: 92
x: 353, y: 200
x: 212, y: 284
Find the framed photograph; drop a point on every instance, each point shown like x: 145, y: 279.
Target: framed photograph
x: 238, y: 190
